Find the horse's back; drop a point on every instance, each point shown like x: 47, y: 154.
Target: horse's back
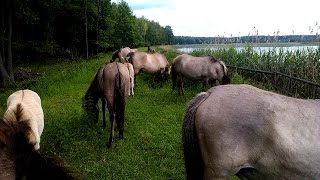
x: 240, y: 126
x: 192, y: 67
x: 30, y: 102
x: 110, y: 73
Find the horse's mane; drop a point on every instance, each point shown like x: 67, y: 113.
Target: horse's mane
x: 213, y: 59
x: 115, y: 54
x: 91, y: 97
x: 130, y: 54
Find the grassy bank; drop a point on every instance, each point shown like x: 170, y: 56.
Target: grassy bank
x: 151, y: 148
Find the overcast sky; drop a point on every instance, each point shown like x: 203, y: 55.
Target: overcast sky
x: 231, y: 17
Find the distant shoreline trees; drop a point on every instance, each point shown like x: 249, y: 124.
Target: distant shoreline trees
x: 247, y: 39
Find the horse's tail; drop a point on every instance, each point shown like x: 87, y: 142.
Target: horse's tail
x: 173, y: 77
x: 192, y: 155
x: 225, y: 79
x: 29, y: 163
x: 119, y: 101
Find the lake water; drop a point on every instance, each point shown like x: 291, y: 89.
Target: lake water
x: 258, y: 49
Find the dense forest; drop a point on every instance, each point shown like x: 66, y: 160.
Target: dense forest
x: 247, y: 39
x: 33, y: 30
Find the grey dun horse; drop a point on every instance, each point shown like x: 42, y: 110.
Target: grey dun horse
x: 254, y: 134
x: 121, y: 54
x: 155, y: 63
x: 110, y: 85
x: 208, y: 69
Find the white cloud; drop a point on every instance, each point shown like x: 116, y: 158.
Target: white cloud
x: 226, y: 17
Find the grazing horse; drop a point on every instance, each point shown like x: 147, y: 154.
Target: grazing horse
x: 155, y: 63
x: 254, y: 134
x: 121, y: 53
x: 111, y: 86
x: 18, y: 157
x: 32, y: 112
x: 208, y: 69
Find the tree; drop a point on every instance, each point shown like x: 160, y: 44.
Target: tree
x: 6, y: 69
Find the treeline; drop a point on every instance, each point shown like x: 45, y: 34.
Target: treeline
x: 246, y: 39
x: 39, y: 29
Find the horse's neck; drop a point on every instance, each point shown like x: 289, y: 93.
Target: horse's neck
x: 92, y: 95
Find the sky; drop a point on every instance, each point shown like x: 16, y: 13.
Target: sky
x: 211, y: 18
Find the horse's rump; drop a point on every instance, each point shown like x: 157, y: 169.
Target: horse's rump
x: 19, y: 159
x: 29, y: 103
x: 239, y: 126
x: 111, y: 85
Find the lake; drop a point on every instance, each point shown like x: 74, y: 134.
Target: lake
x: 258, y: 49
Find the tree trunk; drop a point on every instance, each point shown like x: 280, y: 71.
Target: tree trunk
x: 9, y: 46
x: 4, y: 77
x: 86, y: 24
x: 2, y: 30
x: 98, y: 29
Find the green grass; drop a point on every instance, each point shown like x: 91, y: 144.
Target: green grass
x: 151, y: 148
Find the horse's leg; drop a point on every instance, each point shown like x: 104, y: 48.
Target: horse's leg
x: 113, y: 123
x: 205, y: 84
x: 103, y: 102
x: 182, y: 85
x: 179, y: 83
x: 161, y: 79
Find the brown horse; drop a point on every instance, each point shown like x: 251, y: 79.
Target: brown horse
x: 254, y: 134
x: 121, y: 53
x: 18, y: 157
x: 31, y: 103
x: 155, y: 63
x: 198, y: 68
x: 111, y: 86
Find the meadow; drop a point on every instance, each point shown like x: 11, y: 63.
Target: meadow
x: 151, y: 148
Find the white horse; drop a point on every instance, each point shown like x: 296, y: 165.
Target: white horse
x: 27, y: 103
x: 131, y: 74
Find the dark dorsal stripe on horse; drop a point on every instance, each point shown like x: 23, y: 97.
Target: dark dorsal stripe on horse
x: 213, y: 59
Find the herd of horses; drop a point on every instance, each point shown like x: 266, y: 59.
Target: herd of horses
x: 227, y: 130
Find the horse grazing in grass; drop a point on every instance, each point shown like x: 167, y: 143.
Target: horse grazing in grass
x: 32, y: 112
x: 155, y: 63
x: 121, y: 53
x: 254, y: 134
x: 19, y: 159
x: 208, y: 69
x: 111, y: 86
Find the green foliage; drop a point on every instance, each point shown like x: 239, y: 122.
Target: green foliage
x: 51, y: 29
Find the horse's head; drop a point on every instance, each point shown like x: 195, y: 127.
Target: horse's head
x: 129, y: 57
x: 90, y: 102
x: 115, y: 55
x: 167, y: 72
